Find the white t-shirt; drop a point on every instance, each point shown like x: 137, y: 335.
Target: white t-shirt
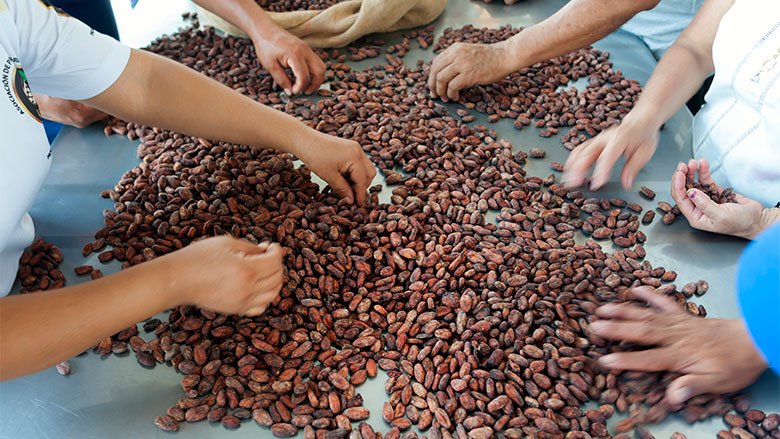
x: 659, y: 27
x: 57, y: 56
x: 738, y: 129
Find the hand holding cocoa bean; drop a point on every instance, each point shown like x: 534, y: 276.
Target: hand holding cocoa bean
x: 227, y: 275
x: 340, y: 162
x: 713, y: 355
x: 745, y: 218
x: 633, y: 139
x: 465, y: 64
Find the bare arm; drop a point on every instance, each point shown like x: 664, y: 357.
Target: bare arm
x: 276, y: 48
x: 668, y: 88
x: 675, y: 79
x: 156, y: 91
x: 576, y: 25
x: 227, y: 275
x: 40, y: 329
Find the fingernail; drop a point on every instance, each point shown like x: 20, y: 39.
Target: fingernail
x: 607, y: 360
x: 682, y: 394
x: 691, y: 194
x: 597, y: 325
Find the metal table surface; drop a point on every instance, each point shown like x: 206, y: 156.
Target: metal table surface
x: 115, y: 397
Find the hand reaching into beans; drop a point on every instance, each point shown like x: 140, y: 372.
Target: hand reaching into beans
x: 713, y: 355
x: 463, y: 65
x: 340, y: 162
x: 278, y: 50
x: 635, y: 140
x: 227, y: 275
x: 744, y: 218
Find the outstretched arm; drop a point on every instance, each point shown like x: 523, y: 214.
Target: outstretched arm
x: 156, y: 91
x: 276, y: 48
x: 578, y: 24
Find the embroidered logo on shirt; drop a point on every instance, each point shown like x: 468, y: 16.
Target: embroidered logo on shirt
x: 17, y: 90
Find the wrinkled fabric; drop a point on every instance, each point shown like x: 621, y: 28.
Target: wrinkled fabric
x: 345, y: 22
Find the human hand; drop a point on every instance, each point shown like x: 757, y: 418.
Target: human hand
x: 340, y: 162
x: 67, y: 112
x: 277, y: 49
x: 744, y: 218
x: 634, y: 139
x: 713, y: 355
x: 464, y: 64
x: 226, y: 275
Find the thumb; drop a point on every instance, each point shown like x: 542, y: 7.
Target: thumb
x: 703, y: 202
x: 342, y: 188
x: 247, y: 249
x: 686, y: 387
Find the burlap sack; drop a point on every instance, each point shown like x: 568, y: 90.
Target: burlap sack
x: 345, y: 22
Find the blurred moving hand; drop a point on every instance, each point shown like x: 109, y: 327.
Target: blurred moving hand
x: 713, y: 355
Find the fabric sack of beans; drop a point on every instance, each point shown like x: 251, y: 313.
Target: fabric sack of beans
x: 346, y: 21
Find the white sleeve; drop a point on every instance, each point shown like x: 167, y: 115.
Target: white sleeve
x: 62, y: 56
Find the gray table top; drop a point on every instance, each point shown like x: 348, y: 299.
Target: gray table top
x: 116, y: 397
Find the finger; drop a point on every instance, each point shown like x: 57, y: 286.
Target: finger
x: 690, y: 170
x: 655, y: 300
x: 644, y: 332
x: 245, y: 248
x: 256, y: 311
x: 580, y: 160
x: 302, y: 76
x: 342, y: 188
x: 705, y: 177
x: 317, y: 71
x: 704, y: 203
x: 688, y: 386
x: 623, y: 311
x: 457, y: 84
x: 271, y: 259
x: 280, y: 76
x: 439, y: 63
x: 685, y: 204
x: 605, y: 163
x: 443, y: 79
x: 267, y: 290
x: 634, y: 163
x: 678, y: 185
x: 649, y: 360
x: 361, y: 178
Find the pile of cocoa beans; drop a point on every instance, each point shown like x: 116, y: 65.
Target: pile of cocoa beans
x: 39, y: 267
x: 481, y: 327
x: 538, y: 95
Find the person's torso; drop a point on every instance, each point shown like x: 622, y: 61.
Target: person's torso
x: 24, y: 152
x: 738, y: 129
x: 660, y: 26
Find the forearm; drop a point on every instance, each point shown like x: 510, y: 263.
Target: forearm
x: 675, y: 79
x: 41, y: 329
x: 156, y: 91
x: 578, y: 24
x: 682, y: 69
x: 245, y: 14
